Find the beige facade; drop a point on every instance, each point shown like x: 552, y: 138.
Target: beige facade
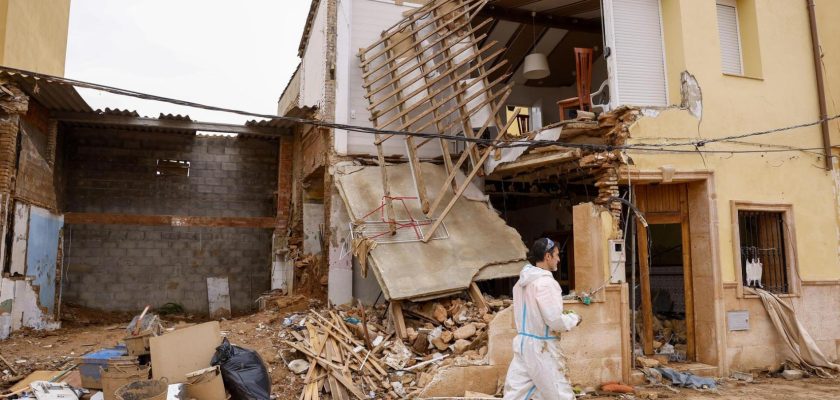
x: 33, y: 35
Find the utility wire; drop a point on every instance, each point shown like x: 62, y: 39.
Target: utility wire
x: 661, y: 147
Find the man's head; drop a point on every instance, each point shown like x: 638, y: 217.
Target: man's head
x: 544, y: 254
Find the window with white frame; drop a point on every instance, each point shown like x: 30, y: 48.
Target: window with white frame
x: 730, y: 37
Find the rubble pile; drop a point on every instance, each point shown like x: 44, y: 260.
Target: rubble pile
x: 355, y: 353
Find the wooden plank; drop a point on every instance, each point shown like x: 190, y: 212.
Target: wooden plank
x: 539, y: 162
x: 168, y: 220
x: 398, y: 319
x: 688, y: 277
x: 644, y: 278
x: 155, y: 123
x: 478, y: 298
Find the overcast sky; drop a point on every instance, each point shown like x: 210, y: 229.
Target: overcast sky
x: 235, y: 54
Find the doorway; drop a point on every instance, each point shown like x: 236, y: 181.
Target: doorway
x: 665, y: 272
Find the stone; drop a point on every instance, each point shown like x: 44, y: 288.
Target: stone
x: 647, y: 394
x: 488, y: 318
x: 792, y: 374
x: 646, y: 362
x: 449, y: 323
x: 439, y: 313
x: 446, y: 336
x: 411, y: 333
x: 424, y: 379
x: 298, y: 366
x: 482, y: 351
x: 439, y: 344
x: 421, y: 343
x: 465, y: 331
x: 461, y: 345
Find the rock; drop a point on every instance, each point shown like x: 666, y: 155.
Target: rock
x: 439, y: 313
x: 461, y: 345
x: 479, y: 325
x: 411, y: 333
x: 421, y: 343
x: 470, y: 354
x: 646, y: 362
x: 446, y: 336
x: 465, y: 332
x: 449, y: 323
x: 298, y: 366
x: 647, y: 394
x: 792, y: 374
x: 439, y: 344
x: 487, y: 318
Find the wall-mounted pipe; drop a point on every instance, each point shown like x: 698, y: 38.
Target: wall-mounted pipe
x: 815, y: 41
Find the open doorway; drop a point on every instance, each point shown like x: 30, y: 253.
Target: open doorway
x: 665, y: 316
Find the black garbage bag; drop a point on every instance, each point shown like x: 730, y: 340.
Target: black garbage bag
x: 243, y: 372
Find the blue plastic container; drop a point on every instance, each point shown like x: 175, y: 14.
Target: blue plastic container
x: 91, y: 362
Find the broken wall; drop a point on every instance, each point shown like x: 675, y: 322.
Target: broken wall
x: 125, y: 265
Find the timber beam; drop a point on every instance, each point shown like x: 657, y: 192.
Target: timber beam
x: 546, y: 20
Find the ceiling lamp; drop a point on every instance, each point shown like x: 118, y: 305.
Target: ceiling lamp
x: 536, y: 64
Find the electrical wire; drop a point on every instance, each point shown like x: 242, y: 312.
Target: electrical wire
x: 662, y: 147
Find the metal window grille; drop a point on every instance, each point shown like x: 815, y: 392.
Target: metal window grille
x: 763, y: 239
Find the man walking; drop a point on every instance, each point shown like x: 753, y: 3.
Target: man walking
x: 538, y: 369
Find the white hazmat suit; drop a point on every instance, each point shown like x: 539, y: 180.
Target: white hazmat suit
x: 538, y: 369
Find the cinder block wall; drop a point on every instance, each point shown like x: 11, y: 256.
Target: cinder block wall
x: 125, y: 267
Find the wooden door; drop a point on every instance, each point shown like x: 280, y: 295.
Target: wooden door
x: 664, y: 204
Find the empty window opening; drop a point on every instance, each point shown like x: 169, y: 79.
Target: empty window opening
x: 764, y: 258
x: 172, y: 168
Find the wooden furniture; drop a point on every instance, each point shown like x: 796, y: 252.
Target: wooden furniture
x: 583, y: 68
x: 523, y: 123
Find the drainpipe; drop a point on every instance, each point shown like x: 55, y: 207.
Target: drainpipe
x: 815, y: 41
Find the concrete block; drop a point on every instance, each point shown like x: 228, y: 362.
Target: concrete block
x: 455, y: 381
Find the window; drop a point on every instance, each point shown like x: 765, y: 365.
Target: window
x: 172, y: 168
x: 730, y: 37
x: 763, y: 235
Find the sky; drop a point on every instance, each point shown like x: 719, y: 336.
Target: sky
x: 234, y: 54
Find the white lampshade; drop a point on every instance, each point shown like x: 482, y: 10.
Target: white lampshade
x: 536, y: 66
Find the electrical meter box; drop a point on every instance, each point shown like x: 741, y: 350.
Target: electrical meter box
x: 618, y: 261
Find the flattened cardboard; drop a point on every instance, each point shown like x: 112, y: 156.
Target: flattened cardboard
x: 180, y: 352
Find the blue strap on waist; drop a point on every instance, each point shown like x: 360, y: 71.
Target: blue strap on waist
x: 538, y: 337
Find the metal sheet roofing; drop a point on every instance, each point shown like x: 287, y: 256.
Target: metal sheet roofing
x: 51, y: 94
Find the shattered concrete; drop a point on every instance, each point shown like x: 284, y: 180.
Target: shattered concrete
x: 480, y: 245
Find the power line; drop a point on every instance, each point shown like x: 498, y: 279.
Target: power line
x: 661, y: 147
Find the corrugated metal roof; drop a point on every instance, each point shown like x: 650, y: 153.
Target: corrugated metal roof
x: 118, y: 112
x: 53, y: 95
x: 295, y: 112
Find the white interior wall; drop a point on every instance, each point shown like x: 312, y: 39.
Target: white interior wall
x: 343, y: 63
x: 313, y: 67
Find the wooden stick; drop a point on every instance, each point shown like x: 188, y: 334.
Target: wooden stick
x: 140, y: 321
x: 477, y: 297
x: 463, y: 157
x: 422, y: 49
x: 398, y: 319
x: 11, y: 367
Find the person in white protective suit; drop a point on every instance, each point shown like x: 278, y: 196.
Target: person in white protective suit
x: 538, y: 369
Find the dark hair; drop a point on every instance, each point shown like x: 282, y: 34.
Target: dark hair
x: 539, y: 249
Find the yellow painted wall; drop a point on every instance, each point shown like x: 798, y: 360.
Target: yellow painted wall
x: 33, y: 34
x: 782, y: 92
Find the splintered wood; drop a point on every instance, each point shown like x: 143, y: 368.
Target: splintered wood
x: 335, y: 356
x: 428, y: 74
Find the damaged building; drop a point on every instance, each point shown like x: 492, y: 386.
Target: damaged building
x: 546, y: 119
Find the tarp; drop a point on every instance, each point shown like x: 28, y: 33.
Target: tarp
x: 480, y: 245
x: 795, y: 337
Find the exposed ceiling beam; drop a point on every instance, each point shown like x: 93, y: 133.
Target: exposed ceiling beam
x: 141, y: 122
x: 541, y: 19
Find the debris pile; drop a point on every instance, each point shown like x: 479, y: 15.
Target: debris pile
x: 356, y: 353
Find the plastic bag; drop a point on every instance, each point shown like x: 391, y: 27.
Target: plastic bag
x: 243, y: 372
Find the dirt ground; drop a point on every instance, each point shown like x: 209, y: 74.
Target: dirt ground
x: 30, y: 350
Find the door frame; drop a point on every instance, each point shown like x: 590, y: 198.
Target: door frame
x: 680, y: 216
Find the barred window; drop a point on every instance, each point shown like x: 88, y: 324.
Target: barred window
x: 764, y: 250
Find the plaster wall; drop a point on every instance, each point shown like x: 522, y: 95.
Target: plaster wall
x: 33, y: 35
x: 313, y: 67
x: 783, y: 95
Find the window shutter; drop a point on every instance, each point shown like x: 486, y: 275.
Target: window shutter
x: 730, y: 43
x: 637, y: 62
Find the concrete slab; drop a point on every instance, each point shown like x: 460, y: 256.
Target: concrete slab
x: 480, y: 245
